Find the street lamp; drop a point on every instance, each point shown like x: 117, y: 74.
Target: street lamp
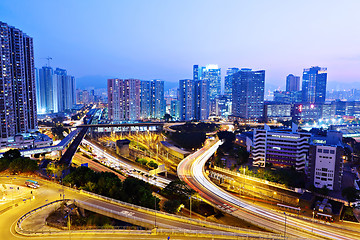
x: 285, y: 226
x: 313, y: 219
x: 190, y: 209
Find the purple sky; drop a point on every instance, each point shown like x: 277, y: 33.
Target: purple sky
x: 163, y: 39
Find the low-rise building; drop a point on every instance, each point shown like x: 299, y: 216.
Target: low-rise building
x: 326, y: 159
x: 280, y: 147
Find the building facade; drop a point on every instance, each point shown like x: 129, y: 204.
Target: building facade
x: 248, y: 94
x: 187, y: 99
x: 280, y: 147
x: 157, y: 99
x: 145, y: 99
x: 56, y: 90
x: 152, y: 100
x: 229, y: 82
x: 314, y: 85
x: 292, y: 83
x: 46, y: 90
x: 123, y: 99
x: 18, y: 110
x: 326, y: 161
x: 64, y: 90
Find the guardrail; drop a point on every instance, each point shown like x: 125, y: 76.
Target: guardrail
x: 159, y: 213
x: 18, y: 227
x: 176, y: 231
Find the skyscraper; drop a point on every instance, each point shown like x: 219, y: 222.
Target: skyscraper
x: 314, y: 85
x: 64, y: 90
x: 203, y: 77
x: 228, y: 82
x: 152, y: 101
x: 46, y: 89
x: 17, y: 82
x: 292, y: 83
x: 55, y: 89
x: 123, y: 99
x: 145, y: 99
x: 186, y: 99
x: 248, y: 93
x: 202, y: 99
x: 212, y: 73
x: 157, y: 99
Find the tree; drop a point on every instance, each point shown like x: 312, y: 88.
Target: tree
x: 171, y: 206
x: 177, y: 189
x: 350, y: 193
x: 21, y: 165
x: 167, y: 117
x: 138, y: 192
x: 12, y: 154
x: 229, y: 138
x: 54, y: 169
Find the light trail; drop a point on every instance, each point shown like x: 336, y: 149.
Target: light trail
x: 160, y: 181
x: 191, y: 170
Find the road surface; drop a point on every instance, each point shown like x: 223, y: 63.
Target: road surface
x: 49, y: 192
x: 191, y: 170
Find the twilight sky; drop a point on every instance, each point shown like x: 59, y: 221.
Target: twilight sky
x: 151, y: 39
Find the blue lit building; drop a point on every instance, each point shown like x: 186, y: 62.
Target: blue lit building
x: 248, y: 94
x: 187, y: 99
x: 228, y: 82
x: 64, y: 90
x: 152, y: 101
x: 314, y: 85
x: 157, y: 99
x: 18, y: 111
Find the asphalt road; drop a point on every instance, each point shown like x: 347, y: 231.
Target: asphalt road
x: 191, y: 170
x: 78, y: 159
x: 49, y: 192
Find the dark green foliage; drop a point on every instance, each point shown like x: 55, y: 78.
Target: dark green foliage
x: 142, y: 161
x: 132, y: 190
x: 13, y: 161
x: 152, y: 164
x: 167, y: 117
x: 192, y: 135
x: 177, y: 189
x: 138, y: 192
x: 171, y: 206
x: 199, y: 127
x: 58, y: 131
x: 4, y: 163
x: 189, y: 140
x: 229, y: 138
x: 12, y: 154
x: 351, y: 194
x: 289, y: 177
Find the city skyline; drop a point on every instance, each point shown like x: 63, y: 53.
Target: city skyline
x: 166, y: 50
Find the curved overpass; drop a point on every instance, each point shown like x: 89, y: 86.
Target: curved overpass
x: 49, y: 192
x: 191, y: 170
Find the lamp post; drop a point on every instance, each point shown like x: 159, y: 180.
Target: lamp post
x: 190, y: 210
x: 285, y: 226
x: 313, y: 219
x: 155, y: 201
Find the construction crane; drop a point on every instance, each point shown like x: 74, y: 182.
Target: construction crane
x: 48, y: 60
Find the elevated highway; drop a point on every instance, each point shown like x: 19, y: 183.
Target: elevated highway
x: 191, y: 170
x: 49, y: 192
